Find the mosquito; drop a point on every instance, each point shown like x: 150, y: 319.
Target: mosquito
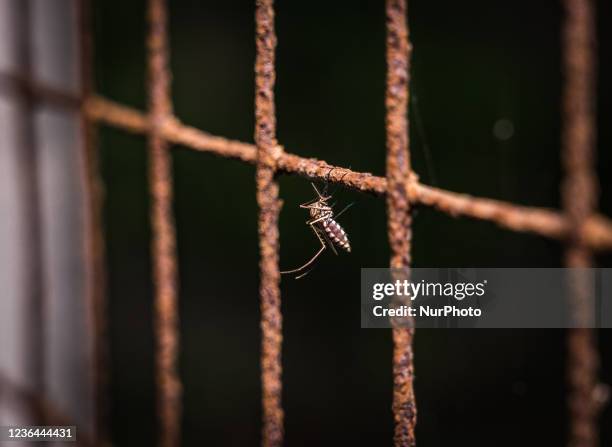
x: 323, y: 223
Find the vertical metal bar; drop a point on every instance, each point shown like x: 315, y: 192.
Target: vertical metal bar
x: 579, y: 194
x: 94, y: 234
x: 398, y: 207
x: 269, y: 209
x: 32, y: 271
x: 164, y: 245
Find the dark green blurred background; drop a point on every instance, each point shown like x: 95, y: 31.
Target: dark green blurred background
x: 474, y: 63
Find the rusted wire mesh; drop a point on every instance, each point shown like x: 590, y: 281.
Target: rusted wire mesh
x: 577, y: 225
x: 579, y: 193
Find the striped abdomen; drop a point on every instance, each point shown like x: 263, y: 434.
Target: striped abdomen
x: 336, y: 234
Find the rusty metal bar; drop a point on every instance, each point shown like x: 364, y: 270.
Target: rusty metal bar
x: 94, y: 255
x: 597, y: 232
x: 163, y: 248
x: 579, y: 188
x: 17, y: 84
x: 30, y: 208
x: 269, y: 210
x: 579, y: 194
x: 399, y: 219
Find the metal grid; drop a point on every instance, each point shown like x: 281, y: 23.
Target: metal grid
x: 578, y: 226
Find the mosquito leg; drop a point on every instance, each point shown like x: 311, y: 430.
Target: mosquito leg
x: 327, y: 177
x: 322, y: 233
x: 329, y: 173
x: 309, y: 203
x: 339, y: 183
x: 329, y: 242
x: 317, y: 206
x: 321, y: 196
x: 344, y: 209
x: 319, y: 219
x: 303, y: 274
x: 323, y: 245
x: 314, y: 201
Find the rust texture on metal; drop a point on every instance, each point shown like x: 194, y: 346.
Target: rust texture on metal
x: 579, y: 195
x: 166, y: 319
x: 27, y: 161
x: 399, y: 218
x: 597, y: 232
x: 578, y: 225
x: 269, y: 210
x: 398, y: 155
x: 585, y: 399
x: 579, y: 188
x: 94, y: 255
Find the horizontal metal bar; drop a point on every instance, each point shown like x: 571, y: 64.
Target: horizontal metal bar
x: 597, y: 231
x: 15, y: 84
